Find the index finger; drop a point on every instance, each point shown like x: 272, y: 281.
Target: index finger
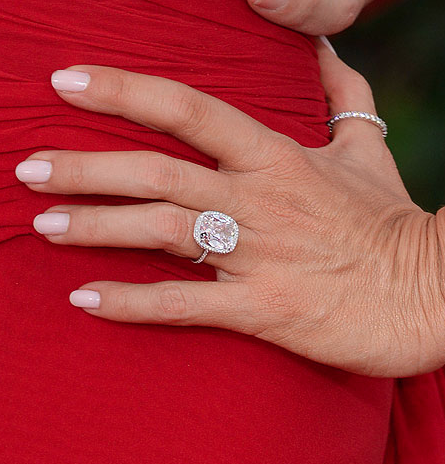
x: 212, y: 126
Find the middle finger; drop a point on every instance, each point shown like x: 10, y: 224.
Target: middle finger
x: 139, y: 174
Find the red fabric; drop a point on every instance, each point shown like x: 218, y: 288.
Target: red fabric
x: 418, y: 420
x: 79, y: 389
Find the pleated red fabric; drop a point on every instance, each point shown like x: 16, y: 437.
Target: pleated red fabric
x: 79, y: 389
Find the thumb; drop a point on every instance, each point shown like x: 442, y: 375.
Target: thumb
x: 315, y: 17
x: 346, y: 90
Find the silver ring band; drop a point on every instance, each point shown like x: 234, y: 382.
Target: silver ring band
x: 201, y: 258
x: 216, y: 232
x: 372, y: 118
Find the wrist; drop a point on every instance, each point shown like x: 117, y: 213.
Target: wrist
x: 419, y: 264
x: 432, y: 282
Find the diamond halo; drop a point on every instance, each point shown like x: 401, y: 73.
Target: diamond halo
x: 216, y: 232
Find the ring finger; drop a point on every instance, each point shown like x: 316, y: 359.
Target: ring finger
x: 156, y: 225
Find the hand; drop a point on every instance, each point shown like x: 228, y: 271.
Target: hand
x: 334, y: 261
x: 314, y: 17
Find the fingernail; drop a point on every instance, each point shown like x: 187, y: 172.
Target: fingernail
x: 52, y: 223
x: 85, y: 299
x: 328, y: 44
x: 34, y: 171
x: 270, y: 4
x: 72, y: 81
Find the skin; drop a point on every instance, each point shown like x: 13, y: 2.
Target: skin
x: 334, y: 261
x: 315, y: 17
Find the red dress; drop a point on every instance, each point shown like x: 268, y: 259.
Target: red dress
x: 77, y: 389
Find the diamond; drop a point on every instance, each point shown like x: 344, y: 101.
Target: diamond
x: 216, y: 232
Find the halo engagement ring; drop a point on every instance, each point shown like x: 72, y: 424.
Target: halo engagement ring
x: 372, y: 118
x: 216, y: 232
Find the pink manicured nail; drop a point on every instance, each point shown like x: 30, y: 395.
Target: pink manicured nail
x: 270, y: 4
x: 52, y: 223
x: 328, y: 44
x: 72, y: 81
x: 34, y: 171
x: 85, y: 299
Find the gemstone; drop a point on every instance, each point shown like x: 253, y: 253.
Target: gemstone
x: 216, y: 232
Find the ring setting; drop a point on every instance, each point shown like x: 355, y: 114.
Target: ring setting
x: 215, y: 232
x: 372, y: 118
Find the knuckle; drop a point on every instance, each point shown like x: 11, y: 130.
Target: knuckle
x: 173, y: 305
x: 274, y: 308
x: 189, y: 110
x: 295, y: 193
x: 94, y: 227
x: 345, y: 15
x: 278, y: 204
x: 76, y: 172
x: 172, y: 225
x: 122, y: 304
x: 298, y: 17
x: 272, y: 296
x: 112, y: 89
x: 286, y: 157
x: 238, y: 196
x: 284, y: 313
x: 280, y: 145
x: 116, y: 91
x: 158, y: 175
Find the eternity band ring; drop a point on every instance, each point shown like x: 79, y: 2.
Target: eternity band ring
x: 372, y: 118
x: 215, y: 232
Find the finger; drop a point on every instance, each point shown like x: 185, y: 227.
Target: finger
x: 347, y: 90
x: 152, y: 226
x: 139, y: 174
x: 207, y: 123
x: 314, y: 17
x: 227, y: 305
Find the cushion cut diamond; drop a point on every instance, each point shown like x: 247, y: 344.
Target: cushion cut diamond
x: 216, y: 232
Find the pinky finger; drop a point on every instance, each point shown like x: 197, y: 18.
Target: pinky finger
x: 181, y: 303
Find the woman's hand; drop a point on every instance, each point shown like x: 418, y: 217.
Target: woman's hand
x: 315, y: 17
x: 334, y: 261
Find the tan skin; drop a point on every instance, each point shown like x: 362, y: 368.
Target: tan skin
x: 334, y: 262
x: 314, y: 17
